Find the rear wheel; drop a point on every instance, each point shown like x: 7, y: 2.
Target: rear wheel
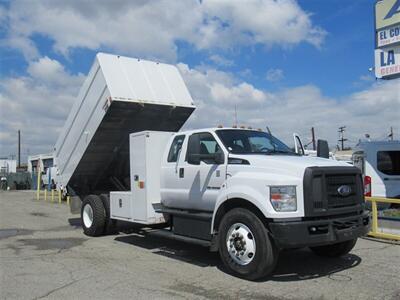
x: 93, y: 216
x: 245, y: 246
x: 335, y: 250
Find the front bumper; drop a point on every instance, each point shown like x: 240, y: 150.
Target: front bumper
x: 320, y: 231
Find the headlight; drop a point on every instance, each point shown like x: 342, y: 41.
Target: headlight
x: 283, y: 198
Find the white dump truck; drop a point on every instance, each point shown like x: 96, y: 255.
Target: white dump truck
x: 242, y: 192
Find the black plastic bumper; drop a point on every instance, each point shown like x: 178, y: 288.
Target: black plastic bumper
x: 319, y: 232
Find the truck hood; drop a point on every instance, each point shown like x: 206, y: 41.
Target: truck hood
x: 287, y: 164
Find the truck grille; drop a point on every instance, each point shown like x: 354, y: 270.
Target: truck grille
x: 321, y: 190
x: 333, y: 183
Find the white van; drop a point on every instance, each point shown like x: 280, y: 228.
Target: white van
x: 379, y: 162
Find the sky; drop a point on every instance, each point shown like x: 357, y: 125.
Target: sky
x: 289, y: 65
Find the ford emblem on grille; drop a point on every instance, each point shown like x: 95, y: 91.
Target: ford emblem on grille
x: 344, y: 190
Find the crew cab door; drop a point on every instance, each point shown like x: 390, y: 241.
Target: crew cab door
x: 198, y: 176
x: 172, y: 190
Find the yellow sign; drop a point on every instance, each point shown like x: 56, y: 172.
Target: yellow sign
x: 387, y: 13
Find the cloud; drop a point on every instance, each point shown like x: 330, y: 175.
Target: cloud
x: 3, y: 16
x: 37, y: 104
x: 262, y: 22
x: 297, y: 109
x: 52, y: 73
x: 274, y: 75
x: 367, y: 77
x: 153, y: 29
x: 221, y: 61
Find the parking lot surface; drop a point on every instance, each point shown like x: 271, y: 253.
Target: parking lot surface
x: 44, y: 254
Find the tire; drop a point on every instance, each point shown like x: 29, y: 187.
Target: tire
x: 93, y: 216
x: 334, y: 250
x: 109, y: 225
x: 249, y: 266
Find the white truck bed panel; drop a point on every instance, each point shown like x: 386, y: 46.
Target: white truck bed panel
x: 120, y: 96
x: 141, y: 80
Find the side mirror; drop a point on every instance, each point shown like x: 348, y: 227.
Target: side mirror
x: 298, y: 145
x: 322, y: 149
x: 219, y: 158
x: 193, y: 159
x: 193, y: 148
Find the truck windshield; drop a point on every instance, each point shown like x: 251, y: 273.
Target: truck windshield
x: 252, y: 142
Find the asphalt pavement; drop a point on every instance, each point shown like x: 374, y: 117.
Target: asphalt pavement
x: 44, y: 254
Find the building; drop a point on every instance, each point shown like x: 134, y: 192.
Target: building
x: 8, y: 166
x: 43, y: 161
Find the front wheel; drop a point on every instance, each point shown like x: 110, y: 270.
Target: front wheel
x: 245, y: 246
x: 335, y: 250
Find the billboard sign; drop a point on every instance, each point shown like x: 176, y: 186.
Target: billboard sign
x: 387, y: 13
x: 387, y: 62
x: 388, y: 36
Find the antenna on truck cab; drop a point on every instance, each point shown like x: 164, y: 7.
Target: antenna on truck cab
x: 235, y: 116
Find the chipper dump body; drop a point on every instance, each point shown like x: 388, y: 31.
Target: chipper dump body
x: 120, y: 96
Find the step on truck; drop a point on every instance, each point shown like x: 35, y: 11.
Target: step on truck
x: 242, y: 192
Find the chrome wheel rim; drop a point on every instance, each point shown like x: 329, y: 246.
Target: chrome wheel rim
x: 241, y: 244
x: 87, y: 216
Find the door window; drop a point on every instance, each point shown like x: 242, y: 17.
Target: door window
x: 389, y: 162
x: 176, y: 146
x: 208, y: 145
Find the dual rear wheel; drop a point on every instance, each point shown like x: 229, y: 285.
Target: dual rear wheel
x: 95, y: 215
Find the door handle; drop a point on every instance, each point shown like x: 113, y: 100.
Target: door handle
x: 181, y: 172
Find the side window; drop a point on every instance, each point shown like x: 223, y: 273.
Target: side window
x: 175, y: 148
x: 389, y: 162
x: 208, y: 145
x: 203, y: 144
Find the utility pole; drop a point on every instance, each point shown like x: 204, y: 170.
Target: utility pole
x: 313, y: 138
x: 391, y: 133
x: 341, y: 135
x: 19, y: 148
